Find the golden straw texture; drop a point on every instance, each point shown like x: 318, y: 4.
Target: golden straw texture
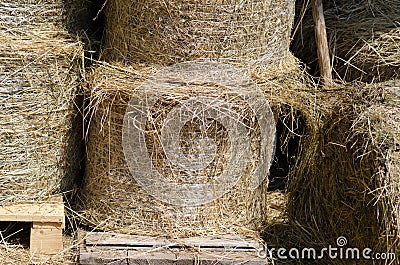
x: 166, y: 32
x: 39, y: 79
x: 363, y: 38
x: 114, y: 200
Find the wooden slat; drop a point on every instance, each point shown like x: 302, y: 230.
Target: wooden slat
x: 46, y: 238
x: 167, y: 258
x: 111, y: 248
x: 322, y: 42
x: 47, y: 212
x: 121, y: 241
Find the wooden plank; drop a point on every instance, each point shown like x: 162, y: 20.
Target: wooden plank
x: 322, y: 42
x: 50, y: 211
x: 46, y: 238
x: 167, y: 258
x: 121, y: 241
x: 112, y: 248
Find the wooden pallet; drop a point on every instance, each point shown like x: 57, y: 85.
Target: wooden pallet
x: 118, y: 249
x: 47, y: 220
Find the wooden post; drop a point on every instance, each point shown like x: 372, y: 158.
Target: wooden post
x: 322, y: 42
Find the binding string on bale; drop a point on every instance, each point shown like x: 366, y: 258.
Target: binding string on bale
x: 360, y: 34
x: 166, y: 32
x: 116, y: 198
x: 39, y: 80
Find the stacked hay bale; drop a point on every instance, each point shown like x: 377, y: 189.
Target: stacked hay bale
x: 363, y: 37
x: 253, y: 36
x: 378, y: 128
x: 39, y: 81
x: 254, y: 32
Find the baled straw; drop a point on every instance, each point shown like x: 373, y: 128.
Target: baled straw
x: 165, y: 32
x: 114, y: 200
x: 378, y: 128
x: 27, y: 14
x: 44, y: 15
x: 360, y: 34
x: 39, y: 80
x: 344, y: 182
x: 380, y: 58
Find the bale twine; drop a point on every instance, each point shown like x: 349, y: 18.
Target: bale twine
x: 166, y: 32
x: 363, y: 39
x: 113, y: 199
x: 39, y: 81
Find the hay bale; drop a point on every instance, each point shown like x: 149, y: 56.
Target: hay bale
x: 166, y: 32
x: 344, y: 182
x: 378, y: 128
x: 39, y: 80
x: 44, y: 15
x: 361, y: 35
x: 114, y: 199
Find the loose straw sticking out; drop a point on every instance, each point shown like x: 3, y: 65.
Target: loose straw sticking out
x: 250, y: 33
x: 38, y: 86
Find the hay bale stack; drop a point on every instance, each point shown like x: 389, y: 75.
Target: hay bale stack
x: 113, y: 199
x: 39, y: 79
x: 166, y: 32
x: 361, y: 35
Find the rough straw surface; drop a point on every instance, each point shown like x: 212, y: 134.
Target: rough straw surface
x: 38, y: 87
x: 113, y: 200
x: 166, y: 32
x: 378, y: 124
x: 363, y: 38
x: 344, y: 181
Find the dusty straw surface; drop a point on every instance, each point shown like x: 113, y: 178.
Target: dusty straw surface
x: 362, y: 36
x: 166, y: 32
x: 113, y: 200
x: 39, y: 81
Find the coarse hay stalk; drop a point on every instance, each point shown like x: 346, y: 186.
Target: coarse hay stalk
x: 39, y: 83
x: 166, y: 32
